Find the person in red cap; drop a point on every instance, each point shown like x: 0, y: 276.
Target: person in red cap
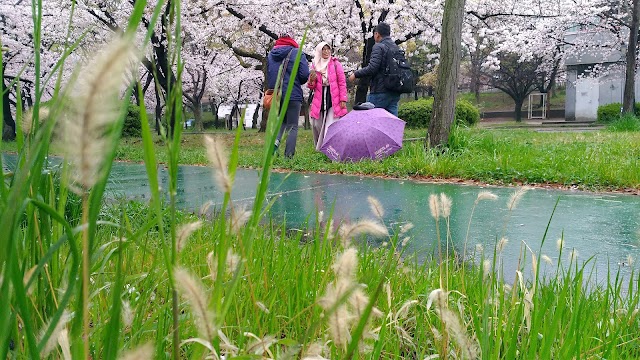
x: 287, y: 48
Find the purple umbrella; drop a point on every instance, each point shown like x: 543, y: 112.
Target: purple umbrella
x: 363, y: 134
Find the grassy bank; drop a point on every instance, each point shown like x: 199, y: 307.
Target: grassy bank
x: 593, y: 161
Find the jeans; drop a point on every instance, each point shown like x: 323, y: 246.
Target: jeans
x: 290, y: 125
x: 385, y: 100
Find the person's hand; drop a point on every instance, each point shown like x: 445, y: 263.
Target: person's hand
x: 343, y: 104
x: 312, y: 76
x: 352, y: 77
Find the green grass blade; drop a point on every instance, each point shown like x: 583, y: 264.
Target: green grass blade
x: 136, y: 16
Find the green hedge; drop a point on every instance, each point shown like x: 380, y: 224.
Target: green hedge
x: 418, y: 113
x: 611, y: 112
x: 132, y: 126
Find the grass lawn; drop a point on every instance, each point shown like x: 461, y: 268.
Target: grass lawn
x: 595, y: 161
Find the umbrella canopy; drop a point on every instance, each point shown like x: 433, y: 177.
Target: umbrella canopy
x: 363, y: 134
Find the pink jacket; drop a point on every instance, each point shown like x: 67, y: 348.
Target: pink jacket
x: 337, y: 86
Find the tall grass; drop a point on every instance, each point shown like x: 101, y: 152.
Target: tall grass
x: 626, y: 122
x: 87, y: 278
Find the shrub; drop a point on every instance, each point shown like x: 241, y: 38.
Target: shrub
x: 467, y: 113
x: 417, y: 113
x: 132, y: 126
x: 626, y: 122
x: 611, y: 112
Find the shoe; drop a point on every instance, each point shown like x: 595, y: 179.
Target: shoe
x: 275, y: 147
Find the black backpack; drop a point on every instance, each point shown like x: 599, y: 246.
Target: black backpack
x: 398, y: 76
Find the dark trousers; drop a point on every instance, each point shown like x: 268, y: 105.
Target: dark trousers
x: 290, y: 125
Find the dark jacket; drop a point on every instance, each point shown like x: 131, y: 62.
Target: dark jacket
x: 274, y: 60
x: 377, y: 63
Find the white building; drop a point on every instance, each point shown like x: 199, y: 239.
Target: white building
x: 586, y: 91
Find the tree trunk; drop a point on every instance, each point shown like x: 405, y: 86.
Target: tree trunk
x: 263, y: 121
x: 550, y: 93
x: 363, y: 83
x: 254, y: 122
x: 9, y: 125
x: 630, y: 76
x: 158, y: 112
x: 214, y: 111
x: 197, y: 115
x: 447, y: 87
x: 475, y: 88
x: 518, y: 109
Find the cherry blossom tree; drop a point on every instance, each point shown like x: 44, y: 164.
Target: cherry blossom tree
x: 19, y: 70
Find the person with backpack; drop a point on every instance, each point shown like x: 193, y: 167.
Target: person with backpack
x: 329, y: 86
x: 388, y: 69
x: 284, y: 53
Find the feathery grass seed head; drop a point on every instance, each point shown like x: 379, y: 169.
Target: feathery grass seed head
x: 346, y: 264
x: 65, y: 344
x: 27, y: 118
x: 127, y: 314
x: 376, y: 207
x: 516, y: 197
x: 192, y: 289
x: 239, y: 216
x: 405, y: 241
x: 502, y: 243
x: 438, y: 298
x: 374, y: 228
x: 340, y: 325
x: 204, y: 209
x: 445, y: 205
x: 143, y: 352
x: 233, y: 261
x: 212, y: 262
x: 262, y: 307
x: 486, y: 195
x: 219, y: 159
x: 573, y: 255
x: 57, y: 330
x: 314, y: 352
x: 406, y: 227
x: 434, y: 206
x: 486, y: 268
x: 184, y: 232
x: 358, y: 301
x: 88, y: 120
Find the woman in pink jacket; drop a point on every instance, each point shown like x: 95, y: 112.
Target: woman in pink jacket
x: 329, y: 85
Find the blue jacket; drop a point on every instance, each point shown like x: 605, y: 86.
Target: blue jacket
x: 274, y: 60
